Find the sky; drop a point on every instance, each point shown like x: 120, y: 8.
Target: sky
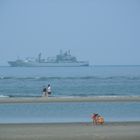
x: 104, y: 32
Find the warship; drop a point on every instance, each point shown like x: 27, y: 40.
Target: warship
x: 61, y: 60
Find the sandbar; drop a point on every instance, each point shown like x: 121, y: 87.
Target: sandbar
x: 69, y: 99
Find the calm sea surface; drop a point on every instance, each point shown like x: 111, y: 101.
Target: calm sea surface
x: 69, y: 81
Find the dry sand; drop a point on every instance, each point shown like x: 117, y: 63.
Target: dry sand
x: 71, y: 131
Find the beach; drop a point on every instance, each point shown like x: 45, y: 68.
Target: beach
x: 112, y: 92
x: 68, y: 130
x: 71, y: 131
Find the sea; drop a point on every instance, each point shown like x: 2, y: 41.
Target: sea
x: 71, y: 82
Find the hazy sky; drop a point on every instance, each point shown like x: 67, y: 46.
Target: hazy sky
x: 101, y: 31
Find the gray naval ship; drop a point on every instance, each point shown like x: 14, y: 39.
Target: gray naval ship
x: 61, y: 60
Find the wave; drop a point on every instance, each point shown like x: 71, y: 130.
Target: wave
x: 10, y: 96
x: 96, y: 97
x: 3, y: 96
x: 73, y: 96
x: 83, y: 77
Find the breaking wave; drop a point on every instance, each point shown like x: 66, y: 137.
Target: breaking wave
x: 85, y: 77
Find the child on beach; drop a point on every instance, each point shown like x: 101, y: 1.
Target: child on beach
x: 97, y: 119
x: 44, y: 91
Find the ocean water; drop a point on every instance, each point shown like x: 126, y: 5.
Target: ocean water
x: 71, y: 82
x: 68, y: 112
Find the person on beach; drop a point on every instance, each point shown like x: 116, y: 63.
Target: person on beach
x: 94, y: 118
x: 49, y: 89
x: 97, y: 119
x: 44, y: 91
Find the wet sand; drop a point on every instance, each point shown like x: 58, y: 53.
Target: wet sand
x: 71, y: 131
x: 70, y: 99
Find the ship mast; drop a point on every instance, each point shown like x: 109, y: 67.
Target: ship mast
x: 39, y: 57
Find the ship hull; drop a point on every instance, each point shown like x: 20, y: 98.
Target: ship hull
x: 47, y: 64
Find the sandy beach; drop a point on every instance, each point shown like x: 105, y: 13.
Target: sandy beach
x: 69, y: 99
x: 71, y: 131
